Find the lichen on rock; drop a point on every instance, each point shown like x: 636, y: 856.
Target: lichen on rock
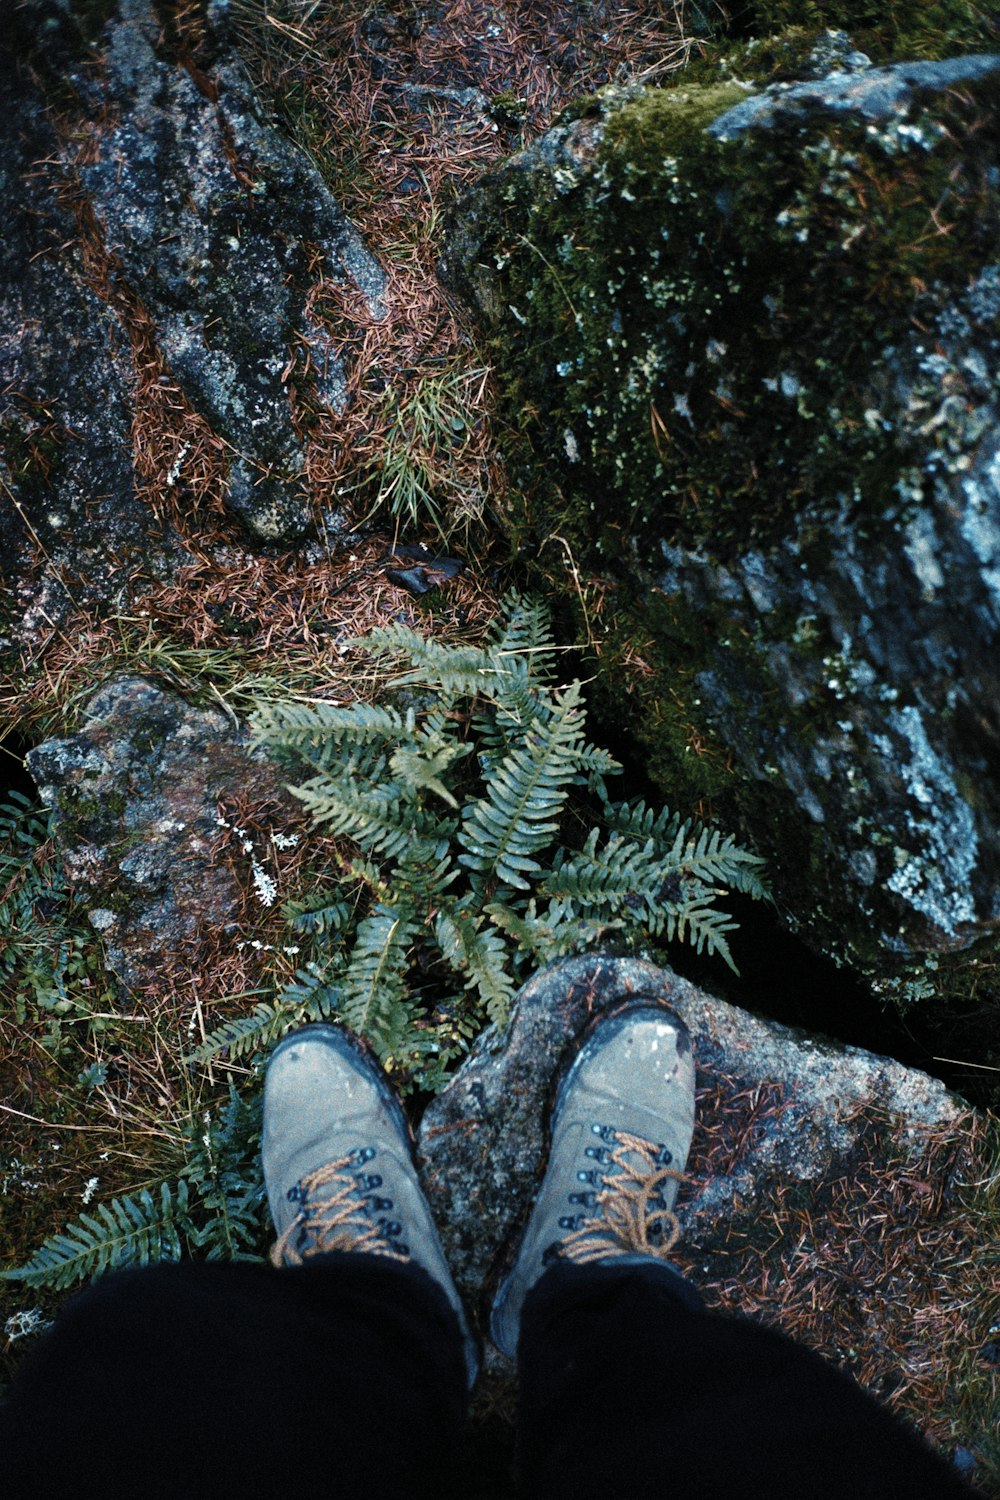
x: 221, y: 225
x: 752, y: 337
x: 135, y: 797
x: 70, y: 519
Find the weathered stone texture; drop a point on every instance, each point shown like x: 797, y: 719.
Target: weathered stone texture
x: 483, y: 1141
x: 215, y: 217
x: 70, y: 521
x: 135, y: 797
x: 755, y: 335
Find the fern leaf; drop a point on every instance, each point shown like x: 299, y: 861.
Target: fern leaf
x: 620, y: 873
x: 703, y: 925
x: 380, y: 821
x: 243, y: 1035
x: 715, y: 858
x: 313, y: 995
x: 452, y: 671
x: 476, y: 948
x: 127, y: 1231
x: 525, y: 629
x: 637, y: 821
x: 316, y: 913
x: 420, y: 766
x: 373, y: 993
x: 301, y: 726
x: 518, y: 817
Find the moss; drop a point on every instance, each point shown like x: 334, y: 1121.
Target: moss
x: 667, y: 327
x: 886, y: 32
x: 644, y: 676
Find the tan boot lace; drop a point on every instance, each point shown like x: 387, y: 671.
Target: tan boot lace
x: 629, y: 1220
x: 337, y: 1221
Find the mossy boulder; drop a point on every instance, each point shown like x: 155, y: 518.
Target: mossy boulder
x: 748, y: 338
x: 887, y: 32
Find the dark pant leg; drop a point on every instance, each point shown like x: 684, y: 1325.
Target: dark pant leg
x: 630, y: 1389
x: 342, y: 1377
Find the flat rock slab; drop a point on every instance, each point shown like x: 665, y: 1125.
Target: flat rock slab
x: 833, y: 1194
x: 790, y: 1107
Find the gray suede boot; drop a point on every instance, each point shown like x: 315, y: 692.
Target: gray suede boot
x: 338, y: 1162
x: 620, y: 1135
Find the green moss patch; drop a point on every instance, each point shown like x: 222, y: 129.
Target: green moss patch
x: 697, y: 328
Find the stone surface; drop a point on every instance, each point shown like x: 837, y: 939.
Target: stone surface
x: 221, y: 225
x: 71, y: 524
x: 135, y: 797
x: 483, y: 1141
x: 754, y: 333
x: 823, y: 1192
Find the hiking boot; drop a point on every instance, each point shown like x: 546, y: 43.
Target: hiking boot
x: 620, y: 1134
x: 338, y: 1162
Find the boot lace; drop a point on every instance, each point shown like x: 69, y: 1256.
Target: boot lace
x: 629, y: 1213
x: 338, y: 1209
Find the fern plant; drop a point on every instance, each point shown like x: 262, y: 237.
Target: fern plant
x: 457, y: 800
x: 213, y: 1207
x: 32, y: 899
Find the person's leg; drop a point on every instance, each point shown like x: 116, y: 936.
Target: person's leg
x: 628, y: 1388
x: 343, y: 1371
x: 343, y: 1376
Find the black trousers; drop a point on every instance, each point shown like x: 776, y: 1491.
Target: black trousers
x: 345, y: 1377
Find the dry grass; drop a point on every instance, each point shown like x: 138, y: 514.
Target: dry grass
x: 887, y: 1265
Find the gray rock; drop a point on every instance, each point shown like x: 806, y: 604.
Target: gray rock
x: 824, y: 1193
x: 135, y: 796
x: 482, y: 1141
x: 760, y: 370
x: 865, y: 92
x: 71, y: 524
x: 213, y: 215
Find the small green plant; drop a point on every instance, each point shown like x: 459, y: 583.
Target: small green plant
x: 48, y: 964
x: 486, y: 844
x: 428, y: 461
x: 213, y: 1207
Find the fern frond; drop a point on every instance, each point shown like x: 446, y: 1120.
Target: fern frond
x: 313, y: 995
x: 315, y: 985
x: 639, y: 822
x: 453, y: 671
x: 554, y: 933
x: 524, y: 927
x: 420, y: 765
x: 716, y: 858
x: 245, y: 1034
x: 317, y: 914
x: 302, y: 726
x: 381, y: 821
x: 701, y: 924
x: 621, y: 872
x: 519, y: 814
x: 373, y: 992
x: 226, y: 1180
x: 476, y: 948
x: 524, y: 629
x: 232, y: 1227
x: 127, y: 1231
